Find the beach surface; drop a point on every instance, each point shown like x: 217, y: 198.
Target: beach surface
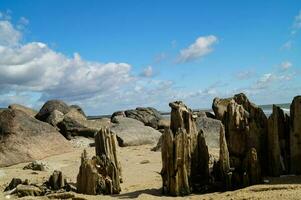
x: 141, y: 178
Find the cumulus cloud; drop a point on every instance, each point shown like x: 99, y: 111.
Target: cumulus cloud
x: 286, y: 65
x: 34, y: 67
x: 8, y: 34
x: 201, y: 47
x: 32, y: 72
x: 148, y: 72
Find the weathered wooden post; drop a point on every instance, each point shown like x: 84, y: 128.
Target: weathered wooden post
x: 102, y: 173
x: 184, y: 153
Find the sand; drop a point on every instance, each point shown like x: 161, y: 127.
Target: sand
x: 142, y: 180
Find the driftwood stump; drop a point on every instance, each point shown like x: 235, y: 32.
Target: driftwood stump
x: 184, y: 154
x: 102, y: 173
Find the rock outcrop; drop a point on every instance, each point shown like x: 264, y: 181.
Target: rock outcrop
x: 70, y: 120
x: 117, y: 113
x: 131, y: 132
x: 295, y: 135
x: 75, y: 124
x: 79, y: 109
x: 24, y: 139
x: 27, y: 110
x: 211, y: 128
x: 148, y: 116
x: 278, y: 142
x: 184, y: 154
x: 50, y: 106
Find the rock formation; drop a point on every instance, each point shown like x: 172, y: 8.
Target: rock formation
x: 117, y: 113
x: 79, y: 109
x: 295, y: 135
x: 24, y: 138
x: 75, y: 124
x: 184, y: 154
x: 149, y: 116
x: 211, y: 128
x: 102, y: 173
x: 27, y: 110
x: 50, y: 106
x: 70, y: 120
x: 131, y: 132
x: 278, y: 142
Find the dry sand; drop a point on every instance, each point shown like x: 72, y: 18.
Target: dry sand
x: 143, y: 181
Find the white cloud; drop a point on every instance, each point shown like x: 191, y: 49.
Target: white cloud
x: 34, y: 67
x: 32, y: 73
x: 244, y: 75
x: 8, y: 34
x: 264, y: 81
x: 286, y: 65
x: 297, y: 23
x: 201, y: 47
x: 147, y: 72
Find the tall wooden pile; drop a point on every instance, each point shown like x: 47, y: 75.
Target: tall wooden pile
x: 184, y: 154
x: 102, y: 173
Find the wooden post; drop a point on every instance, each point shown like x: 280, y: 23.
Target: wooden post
x: 102, y: 173
x: 184, y: 154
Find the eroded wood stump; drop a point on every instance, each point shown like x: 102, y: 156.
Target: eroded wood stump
x: 184, y: 154
x: 102, y: 173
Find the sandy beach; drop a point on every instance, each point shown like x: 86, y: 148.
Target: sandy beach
x: 143, y: 181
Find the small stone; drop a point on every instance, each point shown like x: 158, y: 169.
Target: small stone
x: 36, y: 166
x: 144, y: 162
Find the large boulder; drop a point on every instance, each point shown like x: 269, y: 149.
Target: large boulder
x: 278, y: 142
x: 295, y: 135
x: 211, y: 128
x: 55, y: 118
x: 50, y: 106
x: 27, y: 110
x: 79, y: 109
x: 149, y: 116
x: 75, y: 124
x: 131, y: 132
x: 24, y: 139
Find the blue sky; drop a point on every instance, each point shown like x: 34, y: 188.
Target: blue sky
x: 115, y: 55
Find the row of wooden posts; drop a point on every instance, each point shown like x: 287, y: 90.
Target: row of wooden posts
x: 184, y: 159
